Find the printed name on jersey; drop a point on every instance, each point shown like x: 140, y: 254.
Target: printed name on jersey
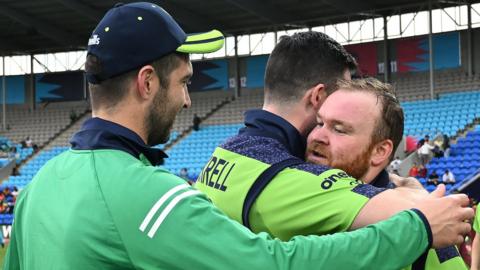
x: 216, y: 172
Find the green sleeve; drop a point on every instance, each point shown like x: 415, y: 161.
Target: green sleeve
x: 476, y: 221
x: 12, y: 261
x: 302, y: 203
x: 196, y: 235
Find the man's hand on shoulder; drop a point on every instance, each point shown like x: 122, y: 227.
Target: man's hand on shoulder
x: 407, y: 182
x: 446, y: 216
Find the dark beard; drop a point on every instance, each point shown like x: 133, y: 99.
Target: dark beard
x: 159, y: 121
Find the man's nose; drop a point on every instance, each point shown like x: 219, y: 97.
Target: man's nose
x: 188, y: 101
x: 319, y: 135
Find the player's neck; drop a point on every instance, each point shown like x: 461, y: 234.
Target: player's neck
x: 294, y: 114
x: 125, y: 119
x: 372, y: 173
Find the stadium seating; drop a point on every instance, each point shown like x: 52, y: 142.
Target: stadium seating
x: 23, y: 152
x: 194, y: 151
x: 225, y: 117
x: 447, y: 115
x: 416, y: 85
x: 203, y: 103
x: 464, y: 159
x: 6, y: 219
x: 422, y: 117
x: 232, y: 113
x: 42, y: 123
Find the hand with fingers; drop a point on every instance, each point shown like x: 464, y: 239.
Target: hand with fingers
x: 447, y: 216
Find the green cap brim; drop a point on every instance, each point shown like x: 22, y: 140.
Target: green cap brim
x: 203, y: 42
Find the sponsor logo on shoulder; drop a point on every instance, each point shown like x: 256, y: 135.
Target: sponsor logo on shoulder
x: 328, y: 182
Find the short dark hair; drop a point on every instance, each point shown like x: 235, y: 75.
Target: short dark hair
x: 390, y: 125
x: 111, y: 91
x: 301, y: 61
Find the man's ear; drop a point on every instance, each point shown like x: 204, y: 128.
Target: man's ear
x: 381, y: 152
x: 316, y: 95
x: 145, y: 78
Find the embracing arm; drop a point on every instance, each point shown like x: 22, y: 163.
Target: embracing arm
x: 217, y: 242
x: 445, y: 214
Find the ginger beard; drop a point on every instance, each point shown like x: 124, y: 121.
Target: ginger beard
x: 356, y: 166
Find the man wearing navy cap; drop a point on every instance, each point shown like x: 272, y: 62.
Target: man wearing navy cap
x: 104, y: 205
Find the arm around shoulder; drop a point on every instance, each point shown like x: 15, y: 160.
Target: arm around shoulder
x: 205, y: 238
x: 444, y: 214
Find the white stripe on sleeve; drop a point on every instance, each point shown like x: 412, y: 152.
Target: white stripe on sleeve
x: 169, y: 208
x: 159, y: 203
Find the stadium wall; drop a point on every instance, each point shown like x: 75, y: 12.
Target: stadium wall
x: 59, y: 86
x: 15, y: 90
x: 407, y: 55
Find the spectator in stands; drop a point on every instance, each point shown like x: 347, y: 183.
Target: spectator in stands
x: 23, y: 144
x: 184, y: 173
x: 73, y: 116
x: 437, y: 152
x: 420, y: 143
x: 196, y: 122
x: 138, y: 69
x: 15, y: 171
x: 446, y: 145
x: 377, y: 140
x: 28, y: 142
x: 14, y: 153
x: 413, y: 172
x: 422, y: 171
x: 433, y: 178
x: 448, y: 177
x: 3, y: 204
x: 424, y: 152
x: 15, y: 192
x: 10, y: 205
x: 395, y: 165
x: 4, y: 147
x: 6, y: 191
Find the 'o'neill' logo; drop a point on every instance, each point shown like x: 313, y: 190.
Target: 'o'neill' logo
x: 94, y: 40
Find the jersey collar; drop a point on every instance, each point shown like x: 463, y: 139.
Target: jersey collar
x: 97, y: 133
x: 266, y: 124
x: 382, y: 180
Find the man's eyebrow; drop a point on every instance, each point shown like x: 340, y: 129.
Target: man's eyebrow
x: 186, y: 77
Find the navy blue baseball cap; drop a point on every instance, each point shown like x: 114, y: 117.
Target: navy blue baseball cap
x: 132, y: 35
